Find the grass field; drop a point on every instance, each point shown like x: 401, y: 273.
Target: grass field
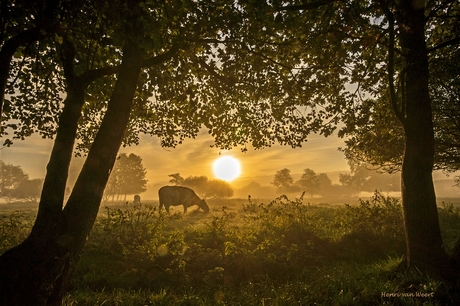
x: 280, y: 252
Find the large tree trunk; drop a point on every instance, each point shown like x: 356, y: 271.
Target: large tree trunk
x: 425, y: 249
x: 37, y: 271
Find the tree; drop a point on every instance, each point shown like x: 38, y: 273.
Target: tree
x: 309, y: 181
x: 198, y: 183
x: 363, y: 178
x: 325, y: 184
x: 11, y: 177
x: 380, y: 141
x: 219, y: 189
x: 203, y: 186
x: 27, y: 190
x: 381, y: 48
x: 23, y: 24
x: 283, y: 181
x: 127, y: 176
x: 23, y: 280
x: 176, y: 179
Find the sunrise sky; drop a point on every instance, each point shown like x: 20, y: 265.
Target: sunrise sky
x: 195, y: 157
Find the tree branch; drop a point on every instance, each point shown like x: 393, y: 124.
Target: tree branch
x: 306, y: 6
x: 91, y: 75
x: 391, y: 62
x: 454, y: 41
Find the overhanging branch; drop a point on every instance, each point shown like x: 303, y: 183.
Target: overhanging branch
x: 306, y: 6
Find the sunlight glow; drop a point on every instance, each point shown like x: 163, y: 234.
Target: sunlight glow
x: 227, y: 168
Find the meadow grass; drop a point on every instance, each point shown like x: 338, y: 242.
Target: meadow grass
x: 280, y: 252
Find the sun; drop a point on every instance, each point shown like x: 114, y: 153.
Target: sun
x: 227, y: 168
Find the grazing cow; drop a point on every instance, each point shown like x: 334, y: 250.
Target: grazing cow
x: 137, y: 199
x: 177, y: 195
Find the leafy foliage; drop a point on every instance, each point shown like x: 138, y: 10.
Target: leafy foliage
x: 176, y: 179
x: 216, y: 77
x: 374, y: 135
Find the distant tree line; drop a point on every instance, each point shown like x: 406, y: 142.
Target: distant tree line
x: 360, y: 179
x: 203, y: 186
x: 16, y: 185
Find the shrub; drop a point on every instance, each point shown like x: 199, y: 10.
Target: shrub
x: 14, y: 228
x: 373, y: 227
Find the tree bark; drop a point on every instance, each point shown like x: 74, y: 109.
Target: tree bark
x: 37, y: 271
x: 424, y: 244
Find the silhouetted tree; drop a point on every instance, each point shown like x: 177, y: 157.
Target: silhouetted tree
x: 362, y: 178
x: 309, y: 182
x: 325, y: 184
x: 203, y: 186
x: 27, y: 190
x: 389, y: 45
x: 10, y: 178
x: 219, y: 189
x: 127, y: 177
x: 284, y: 182
x: 198, y: 183
x: 176, y: 179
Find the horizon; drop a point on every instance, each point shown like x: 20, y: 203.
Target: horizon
x: 195, y: 157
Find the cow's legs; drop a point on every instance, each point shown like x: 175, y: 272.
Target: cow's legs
x: 185, y: 209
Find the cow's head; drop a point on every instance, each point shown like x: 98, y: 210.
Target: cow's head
x: 204, y: 206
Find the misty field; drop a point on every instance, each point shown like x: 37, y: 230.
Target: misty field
x: 280, y: 252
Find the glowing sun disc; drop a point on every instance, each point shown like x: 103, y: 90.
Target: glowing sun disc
x: 227, y: 168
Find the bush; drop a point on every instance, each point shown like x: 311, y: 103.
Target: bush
x: 14, y: 228
x: 373, y: 227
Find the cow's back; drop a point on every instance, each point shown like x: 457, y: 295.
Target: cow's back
x: 177, y: 195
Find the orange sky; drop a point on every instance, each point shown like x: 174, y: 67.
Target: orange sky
x: 195, y: 157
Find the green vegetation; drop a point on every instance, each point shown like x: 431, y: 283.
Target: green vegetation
x: 286, y: 252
